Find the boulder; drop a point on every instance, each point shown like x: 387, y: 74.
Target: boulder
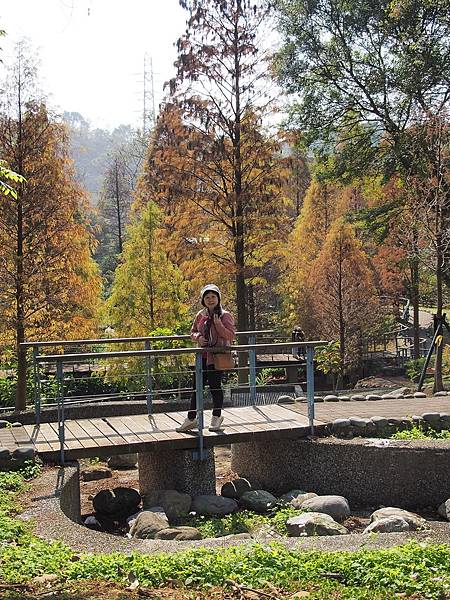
x: 235, y: 489
x: 373, y: 397
x: 373, y: 382
x: 413, y: 520
x: 331, y: 398
x: 388, y: 525
x: 318, y: 398
x: 286, y: 400
x: 5, y: 454
x: 147, y: 524
x: 444, y: 510
x: 440, y: 394
x: 175, y: 504
x: 433, y: 419
x: 301, y: 399
x: 420, y: 395
x: 123, y: 461
x: 335, y: 506
x: 178, y: 534
x: 342, y: 428
x: 358, y: 398
x: 95, y: 474
x: 288, y: 496
x: 119, y: 501
x: 344, y: 398
x: 213, y: 505
x: 24, y: 453
x: 313, y: 523
x: 299, y: 500
x: 258, y: 500
x: 4, y: 424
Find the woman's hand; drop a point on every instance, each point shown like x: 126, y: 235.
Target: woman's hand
x: 202, y: 341
x: 216, y: 319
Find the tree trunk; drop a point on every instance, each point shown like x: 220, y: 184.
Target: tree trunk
x: 438, y: 383
x: 415, y: 298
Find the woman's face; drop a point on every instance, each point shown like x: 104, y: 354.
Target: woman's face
x: 211, y: 300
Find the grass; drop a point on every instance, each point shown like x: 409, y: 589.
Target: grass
x: 414, y: 570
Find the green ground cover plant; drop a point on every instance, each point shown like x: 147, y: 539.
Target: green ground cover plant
x: 418, y: 433
x: 416, y: 570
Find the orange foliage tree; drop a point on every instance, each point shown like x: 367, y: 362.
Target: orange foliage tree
x: 49, y: 283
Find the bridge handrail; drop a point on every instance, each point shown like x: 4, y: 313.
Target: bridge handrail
x: 98, y: 341
x: 250, y: 349
x: 171, y: 351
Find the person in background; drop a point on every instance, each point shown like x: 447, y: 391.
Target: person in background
x: 212, y: 326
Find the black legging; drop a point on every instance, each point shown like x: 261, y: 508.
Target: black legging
x: 214, y: 379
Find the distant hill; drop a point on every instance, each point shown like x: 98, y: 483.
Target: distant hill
x: 90, y: 149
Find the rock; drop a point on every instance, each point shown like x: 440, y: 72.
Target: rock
x: 335, y: 506
x: 213, y: 505
x: 318, y: 398
x: 286, y: 400
x: 5, y: 454
x: 432, y: 418
x: 301, y: 498
x: 373, y: 382
x: 123, y: 461
x: 147, y: 524
x: 266, y: 533
x: 16, y: 424
x: 388, y: 525
x: 331, y: 398
x: 314, y: 523
x: 373, y: 397
x: 413, y: 520
x: 4, y: 424
x: 288, y: 496
x: 358, y: 398
x: 344, y: 398
x: 389, y: 396
x: 301, y: 399
x: 381, y: 423
x: 258, y: 500
x: 445, y: 420
x: 175, y: 504
x: 24, y: 453
x: 419, y: 395
x: 342, y: 428
x: 119, y: 501
x: 178, y: 534
x: 95, y: 474
x: 444, y: 510
x: 91, y: 522
x: 235, y: 489
x: 132, y: 518
x: 401, y: 391
x: 436, y: 395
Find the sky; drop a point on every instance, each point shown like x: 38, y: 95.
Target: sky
x: 91, y: 52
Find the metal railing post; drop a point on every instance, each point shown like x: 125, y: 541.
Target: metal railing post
x: 310, y: 385
x: 60, y: 399
x: 148, y: 379
x: 36, y: 385
x: 199, y: 455
x: 252, y: 365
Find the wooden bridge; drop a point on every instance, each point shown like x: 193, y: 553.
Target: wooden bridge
x: 139, y: 433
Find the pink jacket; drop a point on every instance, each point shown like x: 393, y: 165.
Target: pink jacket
x: 221, y: 334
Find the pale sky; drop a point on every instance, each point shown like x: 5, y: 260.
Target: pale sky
x: 92, y: 51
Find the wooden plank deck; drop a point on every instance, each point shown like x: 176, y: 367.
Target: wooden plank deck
x: 138, y: 433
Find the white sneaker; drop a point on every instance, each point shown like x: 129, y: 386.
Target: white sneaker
x: 187, y: 425
x: 216, y: 423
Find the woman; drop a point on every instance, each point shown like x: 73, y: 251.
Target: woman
x: 212, y: 326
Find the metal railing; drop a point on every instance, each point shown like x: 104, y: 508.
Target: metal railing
x: 149, y: 355
x: 146, y: 341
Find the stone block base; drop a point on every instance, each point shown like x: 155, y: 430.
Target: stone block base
x: 176, y: 470
x: 407, y: 474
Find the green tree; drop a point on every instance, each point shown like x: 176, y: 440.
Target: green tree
x: 148, y: 290
x: 373, y: 81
